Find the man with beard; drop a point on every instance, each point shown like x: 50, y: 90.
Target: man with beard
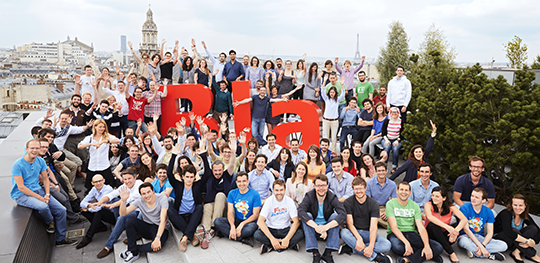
x: 246, y: 63
x: 466, y: 183
x: 364, y: 89
x: 217, y: 65
x: 78, y: 118
x: 321, y: 214
x: 63, y: 134
x: 381, y: 97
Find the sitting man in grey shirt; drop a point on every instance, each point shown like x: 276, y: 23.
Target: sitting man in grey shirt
x: 153, y: 210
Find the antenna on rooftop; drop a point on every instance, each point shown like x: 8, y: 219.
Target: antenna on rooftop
x: 357, y: 54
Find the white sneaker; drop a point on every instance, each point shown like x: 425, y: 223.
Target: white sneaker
x: 125, y: 254
x: 131, y: 257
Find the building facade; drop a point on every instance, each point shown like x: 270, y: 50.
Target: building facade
x: 149, y: 36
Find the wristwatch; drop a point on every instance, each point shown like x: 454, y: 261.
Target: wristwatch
x: 158, y: 236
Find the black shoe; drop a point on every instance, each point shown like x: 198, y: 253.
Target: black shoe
x: 316, y: 258
x: 50, y: 228
x: 328, y: 258
x: 345, y: 249
x: 66, y: 242
x: 84, y: 242
x: 515, y: 259
x: 296, y: 247
x: 265, y: 248
x: 497, y: 256
x: 382, y: 258
x: 219, y: 234
x: 248, y: 241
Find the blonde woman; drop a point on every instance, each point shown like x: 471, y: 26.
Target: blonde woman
x: 98, y: 144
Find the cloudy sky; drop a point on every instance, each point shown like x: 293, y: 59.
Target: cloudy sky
x: 476, y: 28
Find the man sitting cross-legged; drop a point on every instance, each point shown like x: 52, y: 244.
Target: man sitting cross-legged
x: 362, y: 219
x: 275, y: 228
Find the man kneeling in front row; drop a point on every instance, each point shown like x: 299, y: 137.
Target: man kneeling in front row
x: 153, y: 209
x: 275, y: 229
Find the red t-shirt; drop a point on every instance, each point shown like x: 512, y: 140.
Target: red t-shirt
x: 136, y: 108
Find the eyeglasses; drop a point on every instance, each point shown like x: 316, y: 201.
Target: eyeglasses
x: 321, y: 186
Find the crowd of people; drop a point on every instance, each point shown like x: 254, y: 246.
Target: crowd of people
x: 209, y: 183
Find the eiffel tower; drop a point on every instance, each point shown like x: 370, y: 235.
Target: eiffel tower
x: 357, y: 57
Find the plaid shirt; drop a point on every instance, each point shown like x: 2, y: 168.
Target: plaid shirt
x: 154, y: 106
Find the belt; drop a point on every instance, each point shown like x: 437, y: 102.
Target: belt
x: 330, y: 119
x: 351, y: 126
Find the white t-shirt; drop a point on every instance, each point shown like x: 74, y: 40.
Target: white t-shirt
x: 99, y: 158
x: 278, y: 214
x: 86, y: 85
x: 120, y: 97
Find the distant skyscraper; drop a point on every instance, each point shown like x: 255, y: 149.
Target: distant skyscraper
x: 149, y: 32
x: 123, y: 44
x: 357, y: 54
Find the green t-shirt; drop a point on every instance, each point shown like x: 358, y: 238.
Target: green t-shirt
x: 363, y: 90
x: 404, y: 215
x: 338, y: 87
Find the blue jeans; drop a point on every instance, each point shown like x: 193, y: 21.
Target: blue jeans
x: 332, y: 238
x: 222, y: 224
x: 346, y: 130
x: 133, y: 125
x: 257, y: 130
x: 51, y: 211
x: 119, y: 228
x: 493, y: 246
x: 382, y: 245
x: 395, y: 150
x: 417, y: 245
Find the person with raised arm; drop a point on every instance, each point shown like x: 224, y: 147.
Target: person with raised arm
x: 143, y: 60
x: 258, y: 114
x: 104, y: 80
x: 153, y: 210
x: 348, y: 74
x: 120, y: 96
x: 154, y: 107
x: 85, y: 83
x: 286, y: 79
x: 332, y: 97
x: 136, y: 107
x: 300, y: 77
x: 217, y: 65
x: 167, y: 63
x: 154, y: 69
x: 313, y: 84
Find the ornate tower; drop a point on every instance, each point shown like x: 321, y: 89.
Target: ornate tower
x: 357, y: 54
x: 149, y: 36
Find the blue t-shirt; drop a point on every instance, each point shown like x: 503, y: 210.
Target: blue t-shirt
x: 477, y: 221
x: 188, y: 204
x: 244, y: 203
x: 29, y: 172
x: 320, y: 216
x: 259, y: 106
x: 159, y: 189
x: 127, y: 162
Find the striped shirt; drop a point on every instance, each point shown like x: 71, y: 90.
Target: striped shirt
x: 393, y: 129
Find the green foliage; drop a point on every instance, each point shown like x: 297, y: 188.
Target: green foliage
x: 478, y: 116
x: 435, y: 41
x: 516, y: 52
x: 395, y: 53
x: 536, y: 63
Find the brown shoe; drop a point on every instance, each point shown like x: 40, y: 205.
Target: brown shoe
x: 195, y: 240
x: 84, y: 242
x: 104, y: 252
x: 138, y: 238
x: 182, y: 246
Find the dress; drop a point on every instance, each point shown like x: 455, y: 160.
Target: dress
x: 269, y: 118
x: 286, y: 84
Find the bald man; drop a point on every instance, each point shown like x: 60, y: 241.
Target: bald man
x: 96, y: 215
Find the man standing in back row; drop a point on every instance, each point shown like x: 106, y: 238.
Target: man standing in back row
x: 399, y: 93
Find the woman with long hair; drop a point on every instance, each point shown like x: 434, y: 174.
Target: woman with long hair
x: 282, y: 166
x: 314, y: 161
x: 188, y: 72
x: 325, y: 79
x: 145, y: 145
x: 147, y: 169
x: 300, y: 75
x: 154, y: 69
x: 313, y: 84
x: 331, y: 115
x: 298, y: 185
x: 98, y: 144
x: 270, y: 74
x: 367, y: 166
x: 518, y: 230
x: 202, y: 74
x: 349, y: 165
x: 115, y: 156
x: 439, y: 212
x: 127, y: 141
x: 253, y: 144
x: 249, y: 162
x: 379, y: 116
x: 417, y: 156
x: 392, y: 135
